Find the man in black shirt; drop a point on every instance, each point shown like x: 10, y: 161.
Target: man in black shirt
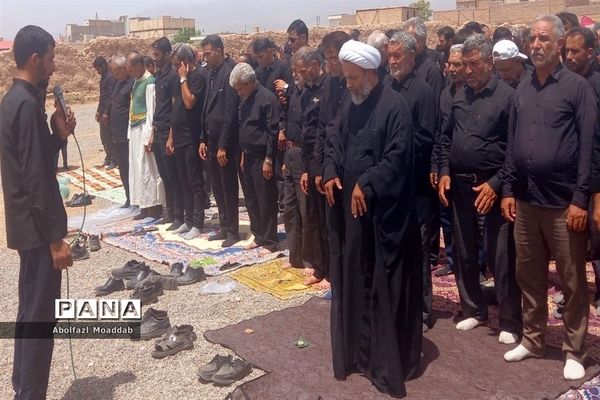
x: 445, y: 36
x: 36, y: 221
x: 219, y: 143
x: 166, y: 81
x: 184, y: 138
x: 380, y: 41
x: 426, y: 60
x: 553, y: 118
x: 107, y: 83
x: 269, y: 68
x: 421, y: 103
x: 471, y: 166
x: 258, y: 119
x: 116, y: 118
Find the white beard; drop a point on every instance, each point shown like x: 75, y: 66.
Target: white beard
x: 365, y: 92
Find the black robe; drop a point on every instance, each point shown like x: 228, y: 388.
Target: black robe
x: 376, y: 314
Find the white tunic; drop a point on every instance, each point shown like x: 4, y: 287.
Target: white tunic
x: 145, y: 184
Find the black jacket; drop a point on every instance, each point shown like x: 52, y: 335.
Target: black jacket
x: 220, y: 112
x: 118, y: 110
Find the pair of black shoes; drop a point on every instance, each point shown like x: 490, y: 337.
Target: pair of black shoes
x: 154, y: 324
x: 224, y: 370
x: 187, y: 275
x: 79, y: 200
x: 79, y: 248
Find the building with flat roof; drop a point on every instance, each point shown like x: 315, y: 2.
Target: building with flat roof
x: 147, y: 28
x: 93, y: 28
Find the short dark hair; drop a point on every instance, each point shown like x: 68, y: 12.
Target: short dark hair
x: 355, y: 34
x: 390, y: 32
x: 262, y: 44
x: 589, y: 39
x: 335, y: 40
x: 447, y: 32
x: 500, y: 33
x: 100, y: 62
x: 137, y: 59
x: 214, y: 40
x: 299, y: 27
x: 567, y: 17
x: 473, y: 27
x: 461, y: 36
x: 31, y: 40
x: 148, y: 61
x: 163, y: 45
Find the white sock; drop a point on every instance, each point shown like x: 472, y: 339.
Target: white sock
x: 507, y: 338
x: 192, y: 234
x: 182, y: 229
x: 468, y: 324
x: 573, y: 370
x: 519, y: 353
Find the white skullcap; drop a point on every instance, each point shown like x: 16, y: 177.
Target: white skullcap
x: 360, y: 54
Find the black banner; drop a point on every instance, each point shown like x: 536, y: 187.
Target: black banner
x: 66, y: 329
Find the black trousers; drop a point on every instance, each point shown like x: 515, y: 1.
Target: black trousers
x: 294, y: 209
x: 39, y: 286
x: 446, y: 225
x: 121, y: 154
x: 317, y: 230
x: 261, y: 201
x: 224, y: 183
x: 189, y: 168
x: 425, y: 207
x: 107, y: 143
x: 499, y: 250
x: 63, y: 152
x: 167, y: 167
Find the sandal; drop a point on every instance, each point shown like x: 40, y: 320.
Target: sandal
x: 181, y: 329
x: 175, y: 340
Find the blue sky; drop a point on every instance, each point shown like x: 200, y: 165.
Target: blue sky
x: 211, y: 15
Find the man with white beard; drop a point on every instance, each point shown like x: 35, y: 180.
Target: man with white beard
x: 377, y: 287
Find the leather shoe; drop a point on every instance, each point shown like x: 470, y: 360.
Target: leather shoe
x: 141, y: 276
x: 231, y: 372
x: 94, y: 243
x: 191, y: 275
x: 154, y: 326
x: 221, y: 235
x: 79, y: 249
x: 176, y: 270
x: 110, y: 286
x: 129, y: 270
x: 206, y: 372
x: 83, y: 200
x: 230, y: 241
x: 148, y: 293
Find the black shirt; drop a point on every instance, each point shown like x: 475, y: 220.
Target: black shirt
x: 293, y: 121
x: 258, y: 117
x: 593, y: 78
x: 35, y: 215
x: 311, y: 106
x: 550, y: 141
x: 422, y: 105
x: 187, y: 124
x: 479, y: 124
x: 446, y: 99
x: 428, y: 70
x: 278, y: 70
x: 107, y: 84
x: 335, y: 96
x: 220, y: 110
x: 118, y: 110
x: 166, y: 80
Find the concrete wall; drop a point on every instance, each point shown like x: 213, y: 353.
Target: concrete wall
x: 162, y: 26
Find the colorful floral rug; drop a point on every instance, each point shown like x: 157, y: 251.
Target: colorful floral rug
x: 446, y: 298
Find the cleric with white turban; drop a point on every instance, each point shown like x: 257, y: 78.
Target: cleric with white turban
x: 361, y: 54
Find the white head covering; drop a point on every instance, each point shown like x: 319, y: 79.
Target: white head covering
x: 361, y: 54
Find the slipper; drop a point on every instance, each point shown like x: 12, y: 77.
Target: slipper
x: 177, y: 341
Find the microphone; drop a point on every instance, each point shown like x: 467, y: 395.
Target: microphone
x: 58, y: 95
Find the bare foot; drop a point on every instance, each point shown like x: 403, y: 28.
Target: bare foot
x: 288, y: 265
x: 308, y: 271
x: 311, y: 280
x: 251, y: 246
x: 324, y: 284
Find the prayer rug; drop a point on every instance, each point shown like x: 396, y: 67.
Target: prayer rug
x: 446, y: 298
x: 455, y: 365
x: 271, y: 278
x: 97, y: 179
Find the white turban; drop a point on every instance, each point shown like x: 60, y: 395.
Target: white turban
x: 360, y: 54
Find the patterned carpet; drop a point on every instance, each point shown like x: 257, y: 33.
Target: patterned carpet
x: 445, y: 298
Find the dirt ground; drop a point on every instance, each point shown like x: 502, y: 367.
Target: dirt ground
x: 122, y: 369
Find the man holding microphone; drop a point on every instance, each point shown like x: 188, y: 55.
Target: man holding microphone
x: 36, y: 221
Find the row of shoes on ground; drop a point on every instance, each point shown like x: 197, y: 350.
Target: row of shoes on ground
x: 175, y: 339
x: 79, y: 200
x: 81, y: 247
x: 224, y: 370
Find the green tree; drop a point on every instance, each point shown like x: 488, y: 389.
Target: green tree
x: 184, y: 35
x: 423, y: 9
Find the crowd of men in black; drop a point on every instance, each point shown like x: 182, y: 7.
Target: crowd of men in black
x: 503, y: 122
